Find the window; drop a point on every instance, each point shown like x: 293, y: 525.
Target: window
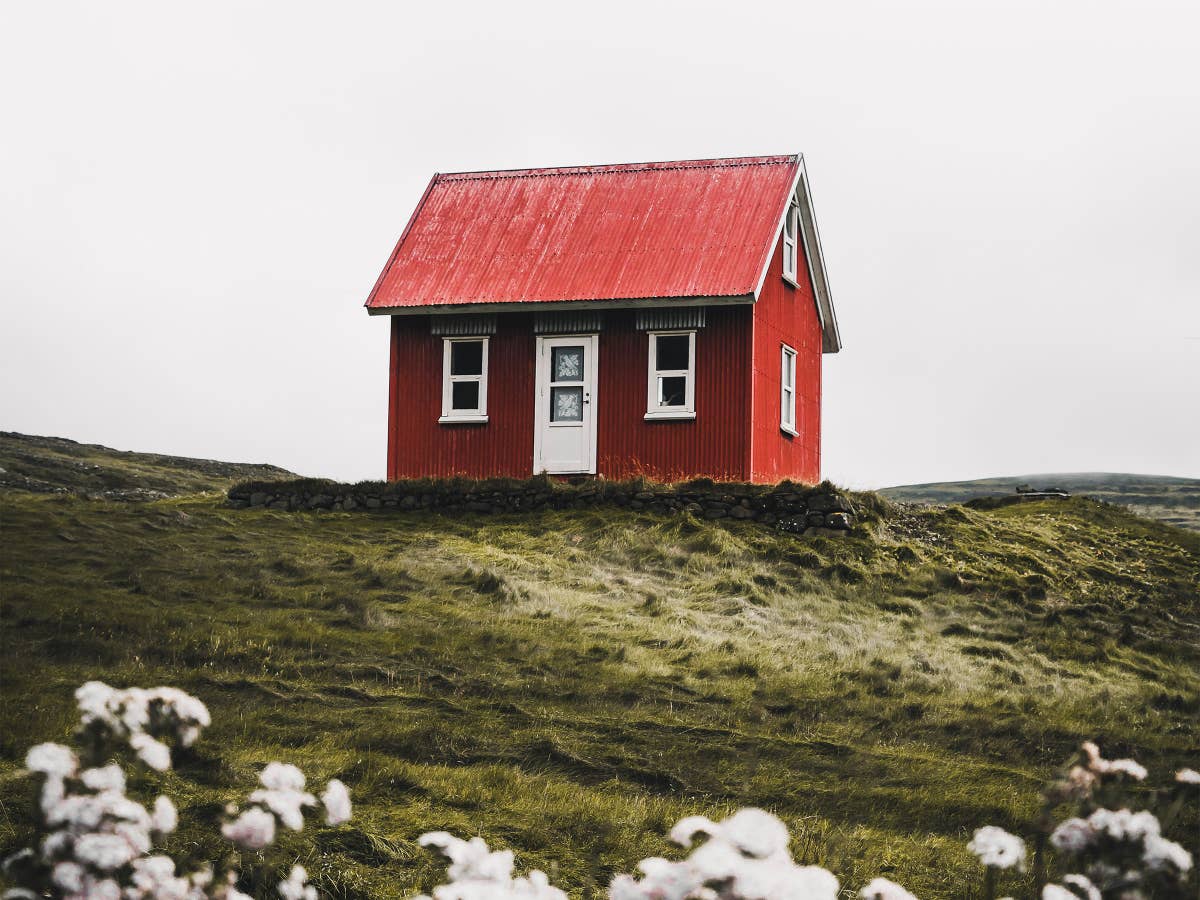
x: 787, y: 391
x: 791, y: 234
x: 671, y: 384
x: 464, y: 380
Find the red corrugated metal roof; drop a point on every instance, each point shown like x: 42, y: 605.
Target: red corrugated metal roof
x: 696, y: 228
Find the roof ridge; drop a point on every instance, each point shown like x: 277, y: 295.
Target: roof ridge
x: 614, y: 168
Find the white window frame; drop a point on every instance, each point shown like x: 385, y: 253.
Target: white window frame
x: 450, y: 415
x: 791, y: 242
x: 787, y: 390
x: 654, y: 410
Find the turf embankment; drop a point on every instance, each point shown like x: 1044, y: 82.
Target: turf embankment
x: 568, y: 684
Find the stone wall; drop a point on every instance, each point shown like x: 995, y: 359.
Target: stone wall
x: 786, y: 506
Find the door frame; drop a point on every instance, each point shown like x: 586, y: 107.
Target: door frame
x: 541, y: 381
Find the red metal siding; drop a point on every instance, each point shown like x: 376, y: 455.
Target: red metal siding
x: 420, y: 447
x: 698, y: 228
x: 786, y: 315
x: 716, y: 444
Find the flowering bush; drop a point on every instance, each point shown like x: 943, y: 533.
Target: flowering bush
x: 1107, y: 854
x: 94, y: 841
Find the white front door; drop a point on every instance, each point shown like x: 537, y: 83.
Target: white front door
x: 564, y: 439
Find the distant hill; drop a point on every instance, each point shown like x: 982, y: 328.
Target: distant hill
x: 1175, y: 501
x: 52, y: 465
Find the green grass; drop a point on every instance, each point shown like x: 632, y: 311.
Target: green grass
x: 568, y: 684
x: 58, y: 465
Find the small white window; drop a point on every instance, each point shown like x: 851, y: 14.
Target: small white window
x: 787, y: 390
x: 464, y: 379
x: 671, y: 382
x: 791, y: 232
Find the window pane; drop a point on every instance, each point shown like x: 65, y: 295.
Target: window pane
x: 466, y: 358
x: 672, y: 391
x: 464, y: 395
x: 672, y: 352
x: 566, y: 404
x: 567, y: 363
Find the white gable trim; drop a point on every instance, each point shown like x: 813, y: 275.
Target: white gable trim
x: 831, y: 339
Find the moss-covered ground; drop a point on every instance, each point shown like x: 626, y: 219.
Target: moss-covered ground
x: 569, y: 684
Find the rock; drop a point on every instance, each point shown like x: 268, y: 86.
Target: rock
x: 374, y: 503
x: 320, y: 501
x: 837, y: 520
x: 258, y: 498
x: 643, y: 496
x: 815, y: 519
x: 479, y: 506
x: 742, y: 512
x: 717, y: 513
x: 350, y: 503
x: 829, y: 503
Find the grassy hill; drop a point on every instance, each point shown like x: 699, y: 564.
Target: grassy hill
x: 57, y: 465
x: 569, y: 684
x: 1175, y: 501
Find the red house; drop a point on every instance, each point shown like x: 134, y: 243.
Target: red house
x: 659, y: 319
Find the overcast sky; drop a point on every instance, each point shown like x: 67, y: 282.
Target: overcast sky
x: 195, y: 201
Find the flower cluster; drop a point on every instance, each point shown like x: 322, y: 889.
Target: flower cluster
x: 282, y: 799
x: 477, y: 873
x: 1116, y: 853
x: 96, y: 842
x: 745, y: 857
x: 148, y: 721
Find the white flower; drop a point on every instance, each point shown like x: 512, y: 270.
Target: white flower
x: 108, y: 778
x: 997, y: 848
x: 336, y: 800
x: 252, y: 830
x: 93, y: 699
x: 154, y: 754
x: 1130, y: 767
x: 756, y: 833
x: 52, y: 760
x: 1057, y: 892
x: 296, y: 886
x: 279, y: 776
x: 285, y: 804
x: 1160, y: 853
x: 104, y: 851
x: 1123, y: 825
x: 1187, y: 776
x: 882, y: 889
x: 1085, y: 887
x: 165, y: 819
x: 68, y: 876
x: 1072, y: 835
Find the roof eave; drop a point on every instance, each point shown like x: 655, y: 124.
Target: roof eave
x: 555, y: 305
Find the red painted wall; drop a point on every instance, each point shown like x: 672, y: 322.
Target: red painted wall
x: 419, y: 447
x: 786, y: 315
x: 716, y: 444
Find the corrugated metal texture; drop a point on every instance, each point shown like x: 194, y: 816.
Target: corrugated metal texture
x: 584, y: 322
x: 462, y: 326
x: 685, y: 317
x: 716, y: 443
x: 786, y: 315
x: 699, y: 228
x: 418, y: 446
